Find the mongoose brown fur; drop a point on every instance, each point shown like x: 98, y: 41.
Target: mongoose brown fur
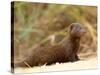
x: 65, y: 51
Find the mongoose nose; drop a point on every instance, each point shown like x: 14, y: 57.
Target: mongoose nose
x: 83, y: 31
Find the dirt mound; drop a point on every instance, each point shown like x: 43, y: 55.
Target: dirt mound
x: 85, y: 62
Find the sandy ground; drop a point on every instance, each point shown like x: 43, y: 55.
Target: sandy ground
x: 87, y: 62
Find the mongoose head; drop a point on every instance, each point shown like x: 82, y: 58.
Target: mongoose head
x: 76, y: 30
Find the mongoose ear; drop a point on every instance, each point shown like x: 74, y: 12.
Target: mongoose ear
x: 70, y: 27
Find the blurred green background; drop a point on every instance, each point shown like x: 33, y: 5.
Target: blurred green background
x: 36, y: 23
